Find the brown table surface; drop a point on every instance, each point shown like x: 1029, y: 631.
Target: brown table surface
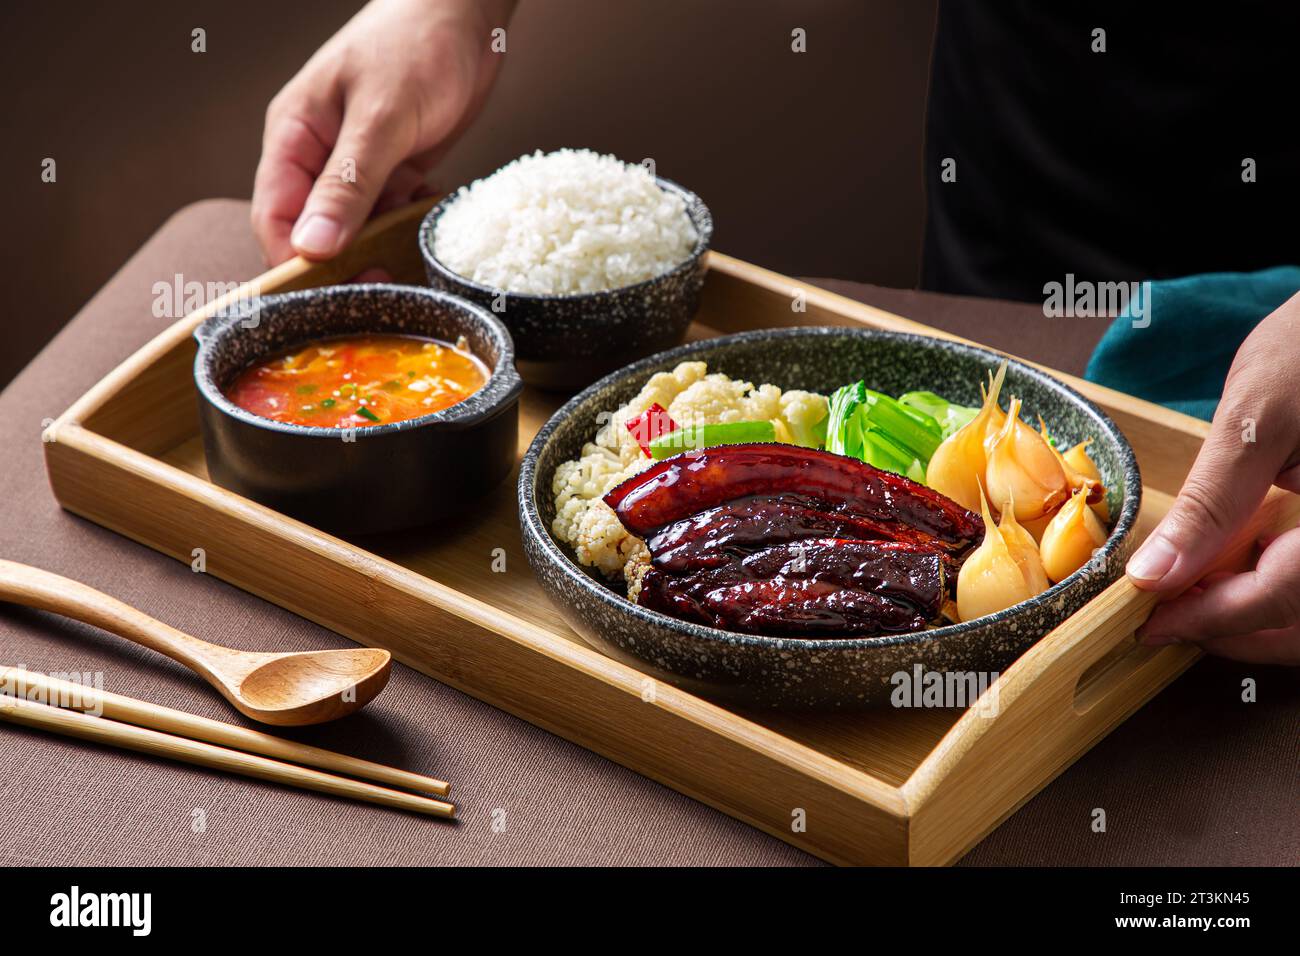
x: 1196, y: 777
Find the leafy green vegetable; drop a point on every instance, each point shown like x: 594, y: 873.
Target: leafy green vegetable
x: 367, y: 413
x: 842, y: 433
x: 707, y: 436
x: 884, y: 452
x: 914, y: 430
x: 949, y: 416
x: 881, y: 431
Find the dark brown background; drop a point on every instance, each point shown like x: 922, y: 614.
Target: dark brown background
x: 810, y: 162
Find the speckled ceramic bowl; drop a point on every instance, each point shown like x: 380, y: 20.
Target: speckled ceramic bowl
x: 819, y: 673
x: 568, y: 341
x: 361, y: 480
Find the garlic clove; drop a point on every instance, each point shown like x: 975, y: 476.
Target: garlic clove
x: 1024, y: 549
x: 1089, y: 480
x: 1036, y: 526
x: 1079, y: 459
x: 990, y: 579
x: 1023, y: 468
x: 955, y: 467
x: 958, y: 464
x: 1071, y: 538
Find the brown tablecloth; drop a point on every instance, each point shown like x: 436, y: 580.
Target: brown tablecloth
x: 1197, y: 777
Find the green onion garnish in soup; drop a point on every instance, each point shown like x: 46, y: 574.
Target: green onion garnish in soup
x: 360, y: 380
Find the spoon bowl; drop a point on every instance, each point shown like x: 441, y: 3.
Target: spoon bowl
x: 312, y: 686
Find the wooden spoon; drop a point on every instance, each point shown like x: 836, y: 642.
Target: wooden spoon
x: 288, y: 690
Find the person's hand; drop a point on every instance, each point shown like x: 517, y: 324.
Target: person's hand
x: 1254, y: 615
x: 363, y: 122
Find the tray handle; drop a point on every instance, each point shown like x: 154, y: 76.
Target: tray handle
x: 1107, y: 652
x: 1070, y: 688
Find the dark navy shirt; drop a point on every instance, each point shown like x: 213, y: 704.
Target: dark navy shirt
x: 1119, y: 165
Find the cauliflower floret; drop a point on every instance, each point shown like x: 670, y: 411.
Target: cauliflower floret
x: 601, y: 541
x: 590, y: 476
x: 805, y: 413
x: 567, y: 516
x: 761, y: 404
x: 663, y: 387
x: 582, y: 519
x: 638, y: 563
x: 714, y: 398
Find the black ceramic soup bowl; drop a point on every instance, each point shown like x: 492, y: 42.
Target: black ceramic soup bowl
x: 568, y: 341
x: 368, y: 479
x: 801, y: 672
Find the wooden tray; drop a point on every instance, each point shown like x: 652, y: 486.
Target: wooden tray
x: 898, y: 787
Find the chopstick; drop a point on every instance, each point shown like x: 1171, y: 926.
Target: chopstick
x: 157, y: 717
x: 74, y: 723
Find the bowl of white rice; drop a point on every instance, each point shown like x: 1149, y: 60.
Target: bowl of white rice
x: 589, y: 262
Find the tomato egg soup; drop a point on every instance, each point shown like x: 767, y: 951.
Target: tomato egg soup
x: 359, y: 381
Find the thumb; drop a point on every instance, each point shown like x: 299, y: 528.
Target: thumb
x: 1229, y: 479
x: 370, y: 144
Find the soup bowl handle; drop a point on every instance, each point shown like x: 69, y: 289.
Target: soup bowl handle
x: 510, y: 385
x: 243, y: 310
x: 205, y: 329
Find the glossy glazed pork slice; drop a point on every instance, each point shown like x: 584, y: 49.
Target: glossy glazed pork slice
x: 791, y: 608
x: 818, y: 587
x: 695, y: 481
x: 716, y: 536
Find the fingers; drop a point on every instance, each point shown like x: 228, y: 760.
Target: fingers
x: 1229, y: 479
x: 373, y: 140
x: 1281, y: 646
x: 1234, y: 605
x: 404, y: 185
x: 1289, y: 480
x: 1278, y: 646
x: 1245, y: 616
x: 358, y: 128
x: 295, y: 156
x: 294, y: 151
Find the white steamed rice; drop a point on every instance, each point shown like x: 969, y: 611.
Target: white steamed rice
x: 564, y: 222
